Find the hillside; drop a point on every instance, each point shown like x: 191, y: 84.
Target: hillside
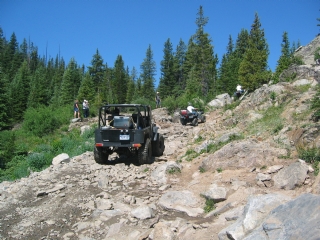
x: 242, y: 164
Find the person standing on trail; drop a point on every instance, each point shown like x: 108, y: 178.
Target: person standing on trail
x: 158, y: 100
x: 85, y: 108
x: 76, y: 109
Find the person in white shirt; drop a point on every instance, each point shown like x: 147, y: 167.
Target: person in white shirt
x: 239, y: 88
x: 192, y: 109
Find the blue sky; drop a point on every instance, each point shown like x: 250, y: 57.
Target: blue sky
x: 77, y: 28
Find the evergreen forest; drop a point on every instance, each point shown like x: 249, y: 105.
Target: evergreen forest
x: 37, y: 94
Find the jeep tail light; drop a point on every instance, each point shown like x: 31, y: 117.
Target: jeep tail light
x: 99, y: 145
x: 136, y: 145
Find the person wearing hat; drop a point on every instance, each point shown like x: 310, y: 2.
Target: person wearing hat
x: 158, y: 100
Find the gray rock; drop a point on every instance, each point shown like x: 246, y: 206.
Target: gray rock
x: 292, y: 176
x: 256, y: 209
x: 61, y: 158
x: 220, y: 101
x: 160, y: 173
x: 181, y: 201
x: 142, y: 212
x: 215, y: 193
x: 296, y: 219
x: 263, y: 177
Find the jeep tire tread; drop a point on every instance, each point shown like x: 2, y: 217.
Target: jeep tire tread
x: 145, y: 152
x: 158, y: 146
x: 100, y: 156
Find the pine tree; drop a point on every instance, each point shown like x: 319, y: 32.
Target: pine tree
x: 227, y: 72
x: 18, y: 93
x: 38, y: 89
x: 96, y: 71
x: 167, y: 81
x: 8, y: 57
x: 193, y: 89
x: 108, y: 93
x: 86, y: 90
x: 139, y: 90
x: 131, y: 85
x: 178, y: 62
x: 285, y: 57
x: 59, y: 67
x: 120, y: 80
x: 33, y: 58
x: 200, y: 57
x: 148, y: 71
x: 253, y: 68
x: 4, y: 118
x: 70, y: 83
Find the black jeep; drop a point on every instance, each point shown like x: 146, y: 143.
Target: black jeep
x: 127, y: 129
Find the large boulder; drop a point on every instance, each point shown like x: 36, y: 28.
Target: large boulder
x: 296, y: 219
x: 220, y: 101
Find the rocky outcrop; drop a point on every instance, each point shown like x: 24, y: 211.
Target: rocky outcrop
x: 301, y: 72
x: 306, y: 53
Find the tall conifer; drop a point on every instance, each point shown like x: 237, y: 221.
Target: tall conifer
x: 148, y: 71
x: 253, y: 68
x: 167, y: 80
x: 120, y: 80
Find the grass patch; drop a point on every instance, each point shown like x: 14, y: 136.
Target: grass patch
x: 190, y: 155
x: 209, y: 206
x: 270, y: 122
x: 213, y: 147
x: 310, y: 155
x: 173, y: 170
x: 303, y: 88
x: 231, y: 106
x: 198, y: 139
x: 219, y: 170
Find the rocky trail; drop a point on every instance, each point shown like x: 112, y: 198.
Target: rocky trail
x: 259, y: 186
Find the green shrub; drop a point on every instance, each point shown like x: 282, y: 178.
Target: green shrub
x: 38, y: 161
x: 40, y: 121
x: 170, y: 103
x: 15, y: 169
x: 173, y: 170
x: 144, y: 101
x: 209, y: 205
x: 309, y: 154
x: 190, y: 155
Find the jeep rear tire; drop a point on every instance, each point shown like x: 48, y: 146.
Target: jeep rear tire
x: 158, y: 146
x: 100, y: 156
x: 145, y: 152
